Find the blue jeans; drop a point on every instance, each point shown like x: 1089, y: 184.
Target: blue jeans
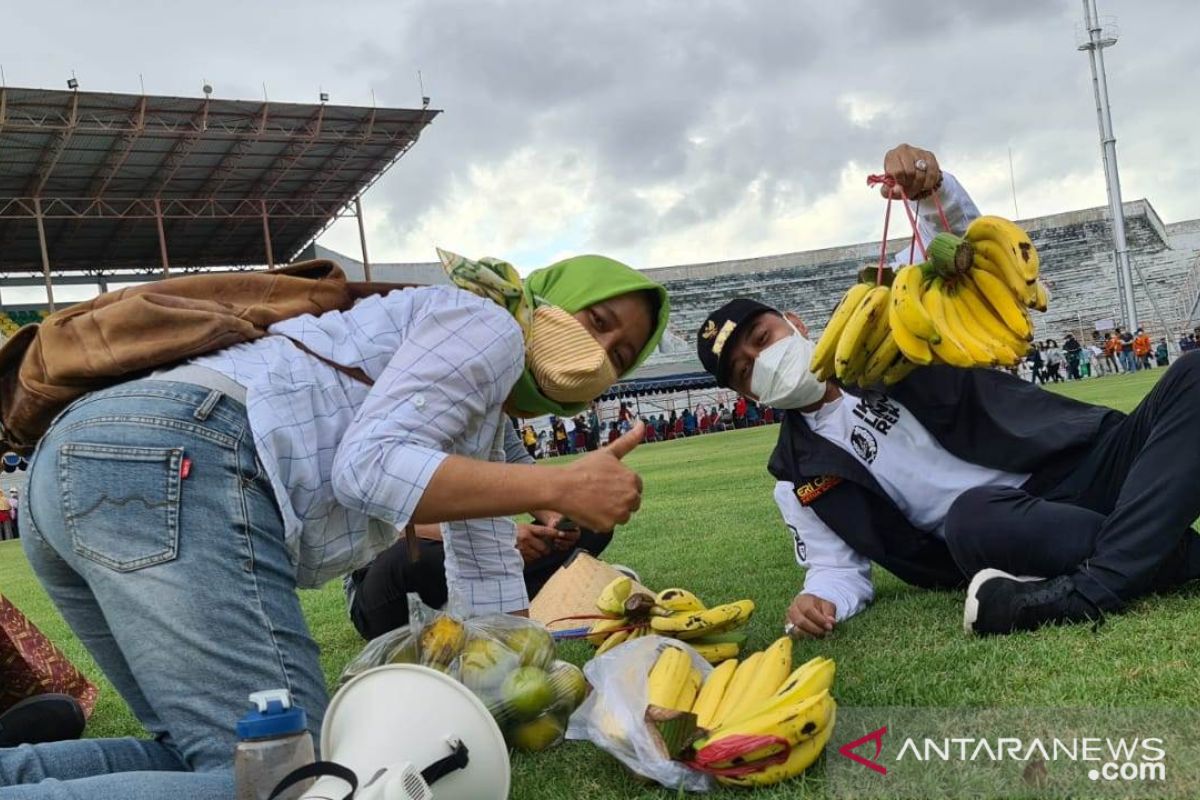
x: 150, y: 523
x: 1128, y: 361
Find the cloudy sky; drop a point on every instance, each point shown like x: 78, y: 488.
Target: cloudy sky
x: 669, y: 132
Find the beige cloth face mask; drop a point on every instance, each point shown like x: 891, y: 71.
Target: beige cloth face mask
x: 568, y: 364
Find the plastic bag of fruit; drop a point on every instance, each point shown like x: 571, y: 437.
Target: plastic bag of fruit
x: 614, y: 716
x: 508, y: 662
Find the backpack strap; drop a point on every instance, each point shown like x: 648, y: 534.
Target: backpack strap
x: 353, y: 372
x: 410, y: 532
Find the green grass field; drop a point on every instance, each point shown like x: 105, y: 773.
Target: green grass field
x: 708, y: 523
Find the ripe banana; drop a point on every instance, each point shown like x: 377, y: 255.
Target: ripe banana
x: 859, y: 330
x: 613, y: 596
x: 716, y: 652
x: 879, y: 362
x: 822, y: 363
x: 906, y: 300
x: 713, y: 691
x: 678, y: 600
x: 879, y: 326
x: 612, y: 641
x: 704, y: 623
x: 948, y: 350
x: 980, y: 350
x: 800, y: 758
x: 810, y: 678
x: 1003, y: 302
x: 792, y: 723
x: 690, y: 689
x: 987, y: 317
x: 737, y: 687
x: 1012, y: 238
x: 667, y: 677
x: 807, y: 680
x: 602, y: 628
x: 775, y: 666
x: 983, y: 322
x: 995, y: 259
x: 1041, y: 297
x: 914, y: 348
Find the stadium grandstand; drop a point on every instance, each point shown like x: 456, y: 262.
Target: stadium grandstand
x: 1077, y: 265
x: 100, y: 190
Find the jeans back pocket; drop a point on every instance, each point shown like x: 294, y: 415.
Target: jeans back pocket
x: 121, y: 504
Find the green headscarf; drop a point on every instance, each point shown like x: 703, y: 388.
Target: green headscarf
x: 571, y: 284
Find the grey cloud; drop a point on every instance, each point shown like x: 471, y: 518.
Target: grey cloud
x: 628, y: 84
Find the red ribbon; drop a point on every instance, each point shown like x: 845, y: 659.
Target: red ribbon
x: 889, y: 181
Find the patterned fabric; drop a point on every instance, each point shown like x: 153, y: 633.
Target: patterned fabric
x: 571, y: 285
x: 494, y: 279
x: 31, y: 665
x: 349, y: 463
x: 568, y: 363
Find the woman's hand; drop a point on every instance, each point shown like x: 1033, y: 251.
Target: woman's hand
x: 598, y: 491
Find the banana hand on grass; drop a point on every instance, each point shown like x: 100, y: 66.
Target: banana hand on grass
x: 677, y: 613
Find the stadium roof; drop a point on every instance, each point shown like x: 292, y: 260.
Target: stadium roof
x: 104, y: 170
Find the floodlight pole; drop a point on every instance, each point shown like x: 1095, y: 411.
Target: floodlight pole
x: 162, y: 238
x: 41, y: 228
x: 1108, y: 149
x: 267, y: 235
x: 362, y: 237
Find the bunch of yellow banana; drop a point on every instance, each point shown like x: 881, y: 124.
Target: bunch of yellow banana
x: 857, y: 345
x: 965, y: 307
x: 673, y: 682
x: 763, y: 697
x: 758, y: 721
x: 677, y: 613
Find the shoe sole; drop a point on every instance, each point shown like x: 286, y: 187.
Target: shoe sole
x: 971, y: 606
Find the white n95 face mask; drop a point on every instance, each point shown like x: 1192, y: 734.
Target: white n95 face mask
x: 781, y: 377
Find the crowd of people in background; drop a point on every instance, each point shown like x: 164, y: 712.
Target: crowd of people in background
x: 1115, y: 353
x: 1048, y: 361
x: 586, y: 432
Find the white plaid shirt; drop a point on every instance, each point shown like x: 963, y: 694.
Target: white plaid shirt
x: 349, y: 462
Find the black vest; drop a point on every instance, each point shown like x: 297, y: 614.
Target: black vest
x: 984, y: 416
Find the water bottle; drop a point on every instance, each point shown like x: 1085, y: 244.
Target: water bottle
x: 273, y: 741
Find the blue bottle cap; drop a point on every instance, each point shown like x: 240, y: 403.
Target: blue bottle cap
x: 273, y: 716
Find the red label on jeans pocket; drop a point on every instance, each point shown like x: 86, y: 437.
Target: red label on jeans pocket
x: 185, y: 468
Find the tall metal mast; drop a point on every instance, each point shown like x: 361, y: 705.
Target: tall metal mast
x: 1097, y: 40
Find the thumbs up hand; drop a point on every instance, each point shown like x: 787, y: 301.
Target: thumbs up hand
x: 599, y: 491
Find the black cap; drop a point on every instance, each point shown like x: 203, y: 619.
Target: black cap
x: 714, y: 340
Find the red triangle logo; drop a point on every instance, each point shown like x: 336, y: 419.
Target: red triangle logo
x: 875, y: 736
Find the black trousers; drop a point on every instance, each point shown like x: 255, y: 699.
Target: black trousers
x: 381, y: 598
x: 1120, y: 523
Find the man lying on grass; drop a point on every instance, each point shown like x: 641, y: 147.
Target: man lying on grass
x: 959, y: 475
